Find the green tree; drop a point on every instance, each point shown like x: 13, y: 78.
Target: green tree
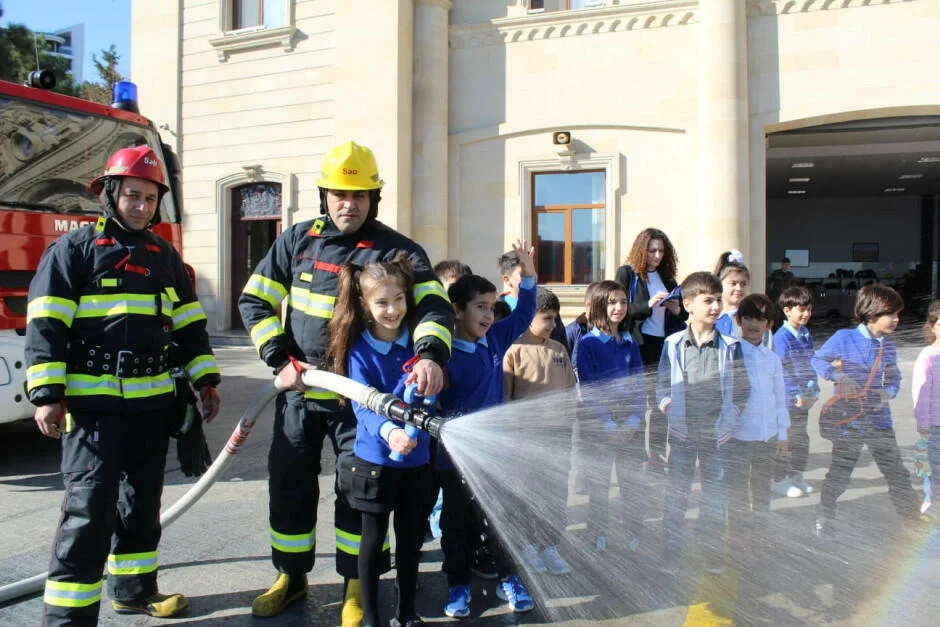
x: 108, y: 75
x: 18, y: 46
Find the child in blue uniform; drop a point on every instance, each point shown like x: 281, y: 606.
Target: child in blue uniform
x: 368, y: 344
x: 858, y: 358
x: 475, y: 377
x: 608, y: 353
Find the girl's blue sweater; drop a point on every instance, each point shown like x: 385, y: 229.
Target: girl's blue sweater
x: 602, y: 358
x: 379, y: 364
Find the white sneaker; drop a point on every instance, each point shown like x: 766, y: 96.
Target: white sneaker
x: 800, y: 482
x: 601, y: 543
x: 787, y: 489
x: 555, y: 563
x: 532, y: 559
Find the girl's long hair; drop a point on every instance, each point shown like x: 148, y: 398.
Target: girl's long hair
x: 638, y: 254
x: 597, y: 315
x: 351, y: 312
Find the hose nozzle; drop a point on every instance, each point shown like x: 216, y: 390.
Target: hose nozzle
x: 394, y: 408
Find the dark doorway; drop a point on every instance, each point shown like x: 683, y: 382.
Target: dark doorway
x: 256, y: 223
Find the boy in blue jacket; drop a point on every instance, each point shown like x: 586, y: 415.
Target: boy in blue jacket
x: 853, y: 358
x: 475, y: 382
x: 793, y: 343
x: 701, y: 388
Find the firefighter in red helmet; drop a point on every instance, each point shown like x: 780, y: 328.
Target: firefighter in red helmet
x: 107, y: 304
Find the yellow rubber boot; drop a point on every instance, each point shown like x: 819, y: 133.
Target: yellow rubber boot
x: 158, y: 605
x: 284, y: 592
x: 352, y: 604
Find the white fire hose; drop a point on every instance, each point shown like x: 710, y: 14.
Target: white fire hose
x: 379, y: 402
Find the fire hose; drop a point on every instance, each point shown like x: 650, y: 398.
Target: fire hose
x: 383, y: 404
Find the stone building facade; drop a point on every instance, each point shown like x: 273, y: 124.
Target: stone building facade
x: 675, y: 111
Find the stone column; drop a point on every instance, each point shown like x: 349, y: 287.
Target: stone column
x: 429, y: 151
x: 724, y: 173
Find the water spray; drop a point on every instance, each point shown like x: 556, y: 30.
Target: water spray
x: 384, y: 404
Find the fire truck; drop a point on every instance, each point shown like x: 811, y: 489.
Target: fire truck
x: 51, y: 147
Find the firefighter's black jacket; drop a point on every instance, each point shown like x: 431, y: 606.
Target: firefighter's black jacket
x: 302, y: 267
x: 104, y: 307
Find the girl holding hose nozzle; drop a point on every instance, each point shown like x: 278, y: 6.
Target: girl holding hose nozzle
x: 390, y: 471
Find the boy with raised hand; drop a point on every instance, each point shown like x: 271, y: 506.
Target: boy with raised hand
x: 475, y: 379
x: 793, y: 343
x: 534, y: 365
x: 760, y: 433
x: 510, y: 268
x: 701, y: 387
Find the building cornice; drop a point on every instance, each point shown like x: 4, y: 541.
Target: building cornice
x: 558, y: 24
x: 760, y: 8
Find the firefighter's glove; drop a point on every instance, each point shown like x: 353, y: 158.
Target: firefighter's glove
x: 192, y: 450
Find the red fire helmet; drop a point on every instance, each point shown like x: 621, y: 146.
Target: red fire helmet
x: 139, y: 162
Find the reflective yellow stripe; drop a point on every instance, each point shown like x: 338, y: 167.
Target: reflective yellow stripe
x: 49, y: 373
x: 64, y: 594
x: 433, y: 329
x: 110, y: 385
x: 201, y: 366
x: 266, y: 289
x: 316, y: 394
x: 132, y: 563
x: 349, y: 543
x: 99, y: 225
x: 297, y: 543
x: 429, y: 288
x: 311, y: 303
x: 265, y: 330
x: 109, y: 282
x: 61, y: 309
x: 103, y: 305
x: 187, y: 314
x: 171, y: 292
x: 306, y: 276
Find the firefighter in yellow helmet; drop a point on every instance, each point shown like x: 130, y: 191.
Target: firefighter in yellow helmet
x: 302, y: 268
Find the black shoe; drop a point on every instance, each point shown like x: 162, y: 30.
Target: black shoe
x: 414, y: 621
x: 484, y: 566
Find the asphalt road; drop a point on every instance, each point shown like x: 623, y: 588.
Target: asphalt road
x: 218, y: 552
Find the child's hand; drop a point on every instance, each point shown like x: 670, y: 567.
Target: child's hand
x: 800, y: 402
x: 525, y: 257
x: 399, y: 441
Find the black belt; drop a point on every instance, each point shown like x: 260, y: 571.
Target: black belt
x: 123, y: 364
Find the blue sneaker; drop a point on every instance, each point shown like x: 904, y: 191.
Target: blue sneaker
x: 458, y: 602
x: 514, y: 591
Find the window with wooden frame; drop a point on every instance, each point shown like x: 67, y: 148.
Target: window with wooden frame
x: 568, y: 223
x: 255, y: 13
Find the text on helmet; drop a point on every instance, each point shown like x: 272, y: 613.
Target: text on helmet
x: 349, y: 172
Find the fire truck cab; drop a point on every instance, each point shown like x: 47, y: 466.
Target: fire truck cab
x: 51, y: 147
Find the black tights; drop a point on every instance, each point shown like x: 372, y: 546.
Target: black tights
x: 409, y: 531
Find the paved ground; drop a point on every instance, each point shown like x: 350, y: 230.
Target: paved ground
x: 218, y: 553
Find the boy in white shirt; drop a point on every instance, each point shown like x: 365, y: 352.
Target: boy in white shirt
x: 760, y: 432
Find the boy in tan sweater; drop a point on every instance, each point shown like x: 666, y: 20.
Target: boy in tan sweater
x: 536, y: 364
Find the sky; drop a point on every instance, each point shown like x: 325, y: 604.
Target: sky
x: 106, y: 22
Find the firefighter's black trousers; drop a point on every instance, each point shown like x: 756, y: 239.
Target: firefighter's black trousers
x: 293, y: 488
x: 113, y: 466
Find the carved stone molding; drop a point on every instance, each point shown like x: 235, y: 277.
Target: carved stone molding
x: 760, y: 8
x: 559, y: 24
x: 229, y: 42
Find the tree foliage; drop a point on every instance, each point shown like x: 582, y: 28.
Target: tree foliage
x: 18, y: 46
x: 107, y: 75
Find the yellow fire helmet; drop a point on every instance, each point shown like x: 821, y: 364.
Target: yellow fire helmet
x: 349, y: 166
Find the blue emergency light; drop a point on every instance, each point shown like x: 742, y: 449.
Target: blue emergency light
x: 124, y: 96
